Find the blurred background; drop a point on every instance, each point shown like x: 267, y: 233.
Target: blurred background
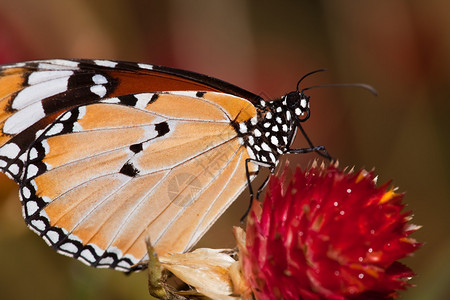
x: 402, y: 48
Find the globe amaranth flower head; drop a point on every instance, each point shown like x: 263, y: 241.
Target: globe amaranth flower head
x: 328, y: 234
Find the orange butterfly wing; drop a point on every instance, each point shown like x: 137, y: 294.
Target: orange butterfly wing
x: 34, y: 94
x: 166, y: 167
x: 107, y: 153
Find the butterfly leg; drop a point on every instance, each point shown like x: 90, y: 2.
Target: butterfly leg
x: 263, y: 185
x: 271, y: 166
x: 318, y: 149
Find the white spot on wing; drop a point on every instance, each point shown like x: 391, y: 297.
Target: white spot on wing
x: 31, y: 207
x: 99, y: 90
x: 66, y: 116
x: 77, y: 127
x: 39, y: 132
x: 105, y: 63
x: 46, y: 147
x: 52, y: 236
x: 106, y: 261
x: 41, y: 76
x: 14, y: 169
x: 58, y: 64
x: 87, y: 255
x: 143, y: 100
x: 32, y: 170
x: 81, y: 112
x: 38, y: 224
x: 99, y: 79
x: 38, y: 92
x: 10, y: 150
x: 192, y: 94
x: 24, y: 118
x: 145, y: 66
x: 113, y: 100
x: 242, y: 128
x: 55, y: 129
x: 33, y: 153
x: 69, y: 247
x: 26, y: 192
x: 123, y: 264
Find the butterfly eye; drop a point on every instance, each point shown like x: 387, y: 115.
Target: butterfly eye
x: 293, y: 99
x: 298, y: 103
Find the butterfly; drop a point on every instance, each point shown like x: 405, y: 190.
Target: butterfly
x: 107, y: 153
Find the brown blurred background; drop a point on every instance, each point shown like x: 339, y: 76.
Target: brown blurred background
x: 402, y: 48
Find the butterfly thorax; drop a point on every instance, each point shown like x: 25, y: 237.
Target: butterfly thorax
x: 271, y: 133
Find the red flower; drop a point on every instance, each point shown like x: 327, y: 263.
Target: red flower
x: 331, y: 235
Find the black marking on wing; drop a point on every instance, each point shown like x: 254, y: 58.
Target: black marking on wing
x: 129, y: 100
x: 129, y: 169
x: 78, y: 92
x: 162, y: 128
x: 136, y: 148
x: 154, y: 98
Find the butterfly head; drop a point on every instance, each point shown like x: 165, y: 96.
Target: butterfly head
x: 298, y: 104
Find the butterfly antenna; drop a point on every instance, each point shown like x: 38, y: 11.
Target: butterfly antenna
x: 310, y: 73
x: 361, y: 85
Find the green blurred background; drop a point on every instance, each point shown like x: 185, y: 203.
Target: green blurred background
x: 402, y: 48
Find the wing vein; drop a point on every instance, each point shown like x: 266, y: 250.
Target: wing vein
x: 215, y: 199
x: 154, y: 242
